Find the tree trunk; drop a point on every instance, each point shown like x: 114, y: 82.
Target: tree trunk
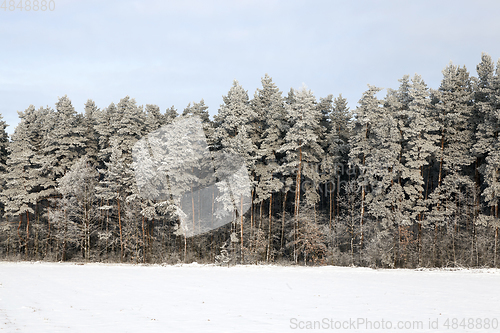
x: 297, y: 205
x: 283, y: 222
x: 47, y: 243
x: 121, y: 235
x: 496, y: 238
x: 330, y: 206
x: 297, y: 187
x: 18, y: 233
x: 270, y: 222
x: 143, y: 243
x: 241, y: 229
x: 27, y: 233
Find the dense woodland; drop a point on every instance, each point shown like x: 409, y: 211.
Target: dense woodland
x: 410, y: 180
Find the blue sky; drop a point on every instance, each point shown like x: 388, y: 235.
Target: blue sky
x: 175, y: 52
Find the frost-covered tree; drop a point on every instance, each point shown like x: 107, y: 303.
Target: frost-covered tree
x: 452, y: 104
x: 452, y: 107
x: 4, y: 144
x: 420, y: 145
x: 302, y: 150
x: 487, y: 145
x: 76, y: 213
x: 309, y: 239
x: 23, y: 181
x: 129, y: 126
x: 486, y: 105
x: 170, y: 115
x: 331, y: 166
x: 154, y: 119
x: 4, y: 153
x: 112, y: 188
x: 361, y: 147
x: 269, y: 105
x: 233, y: 131
x: 105, y: 130
x: 92, y: 137
x: 338, y: 151
x: 201, y: 110
x: 385, y: 200
x: 65, y: 141
x: 340, y: 119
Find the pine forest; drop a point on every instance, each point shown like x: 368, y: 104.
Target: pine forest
x: 411, y: 179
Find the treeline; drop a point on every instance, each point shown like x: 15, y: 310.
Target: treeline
x: 410, y: 180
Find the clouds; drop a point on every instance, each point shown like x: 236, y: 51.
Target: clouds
x: 174, y: 52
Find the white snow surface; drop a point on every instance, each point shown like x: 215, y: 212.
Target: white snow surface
x: 67, y: 297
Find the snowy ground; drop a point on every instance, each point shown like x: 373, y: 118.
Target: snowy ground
x: 52, y: 297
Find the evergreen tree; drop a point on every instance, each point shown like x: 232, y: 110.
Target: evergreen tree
x: 233, y: 132
x: 484, y: 108
x: 420, y: 145
x: 361, y: 147
x: 488, y: 143
x: 92, y: 137
x: 170, y: 115
x: 65, y: 142
x: 154, y: 119
x: 302, y: 150
x: 4, y: 154
x: 269, y: 105
x: 200, y: 110
x: 340, y: 118
x: 105, y: 130
x: 111, y: 188
x: 4, y: 145
x: 453, y: 109
x: 76, y: 214
x: 128, y: 126
x: 22, y: 180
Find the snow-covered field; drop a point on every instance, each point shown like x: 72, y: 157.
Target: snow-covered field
x: 53, y: 297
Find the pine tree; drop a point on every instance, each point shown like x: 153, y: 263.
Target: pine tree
x: 200, y: 110
x: 331, y: 165
x: 170, y: 115
x: 112, y: 187
x: 92, y: 137
x: 233, y: 132
x: 269, y: 105
x: 488, y: 143
x: 129, y: 126
x: 4, y: 144
x: 302, y: 149
x: 105, y: 130
x: 385, y: 196
x: 4, y: 154
x: 22, y: 180
x: 453, y: 108
x: 154, y: 118
x: 77, y: 208
x: 340, y: 119
x: 361, y: 147
x: 66, y: 141
x: 484, y: 108
x: 420, y: 145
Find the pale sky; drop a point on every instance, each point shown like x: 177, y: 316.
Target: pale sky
x: 175, y: 52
